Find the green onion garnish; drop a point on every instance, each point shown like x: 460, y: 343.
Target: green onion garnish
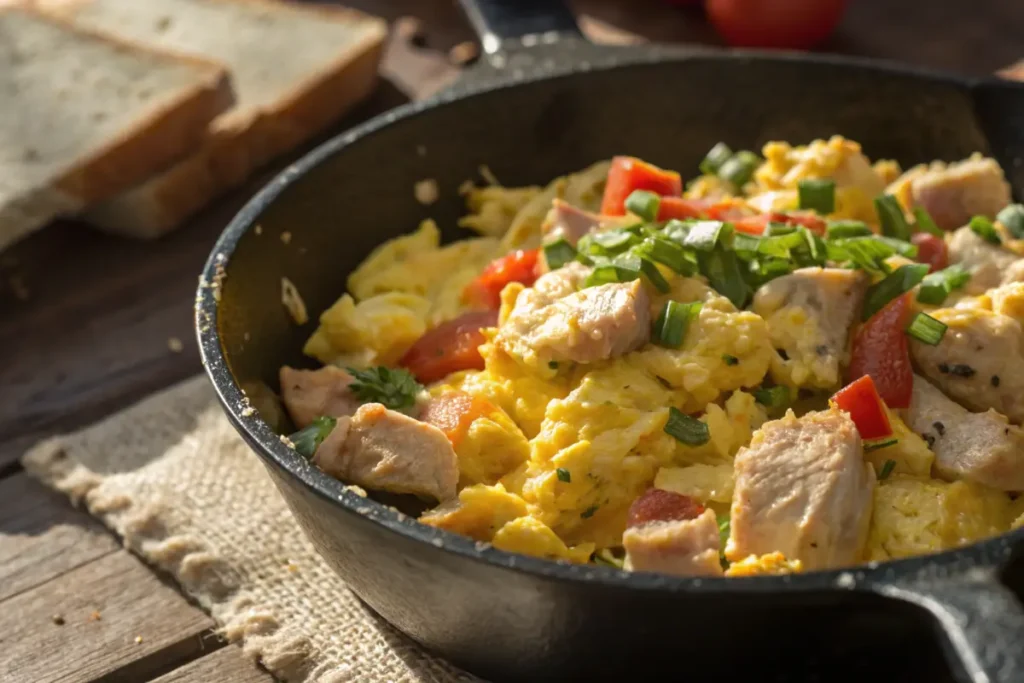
x: 670, y: 327
x: 923, y: 222
x: 613, y: 241
x: 607, y: 273
x: 1012, y: 217
x: 739, y: 168
x: 563, y: 475
x: 724, y: 531
x: 558, y: 253
x: 889, y: 465
x: 668, y: 254
x: 774, y: 398
x: 746, y: 246
x: 644, y: 204
x: 605, y: 556
x: 813, y: 252
x: 841, y: 229
x: 867, y: 253
x: 729, y: 359
x: 686, y: 429
x: 309, y: 438
x: 779, y: 246
x: 900, y: 281
x: 764, y: 270
x: 926, y: 329
x: 704, y: 235
x: 907, y: 249
x: 653, y: 275
x: 722, y: 269
x: 891, y: 218
x: 937, y: 286
x: 817, y: 195
x: 983, y: 228
x: 716, y: 156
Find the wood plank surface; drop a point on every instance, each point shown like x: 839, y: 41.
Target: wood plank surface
x: 42, y: 536
x: 111, y: 616
x: 227, y: 664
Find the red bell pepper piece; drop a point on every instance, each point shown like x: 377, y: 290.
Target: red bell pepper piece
x: 880, y: 351
x: 519, y: 266
x: 628, y: 174
x: 861, y: 400
x: 756, y: 225
x: 450, y: 347
x: 681, y: 209
x: 931, y: 250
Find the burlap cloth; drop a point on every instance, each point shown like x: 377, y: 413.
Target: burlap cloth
x: 172, y: 478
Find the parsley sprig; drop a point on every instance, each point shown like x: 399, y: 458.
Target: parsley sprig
x: 394, y: 388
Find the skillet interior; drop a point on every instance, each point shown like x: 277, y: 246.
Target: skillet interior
x: 669, y: 113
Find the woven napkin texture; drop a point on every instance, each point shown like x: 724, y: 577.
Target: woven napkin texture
x: 174, y: 480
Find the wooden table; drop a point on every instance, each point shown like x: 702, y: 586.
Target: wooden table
x: 90, y: 324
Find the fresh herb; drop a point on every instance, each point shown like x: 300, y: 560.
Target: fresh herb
x: 926, y: 329
x: 686, y: 429
x: 589, y: 512
x: 613, y: 241
x: 891, y: 218
x: 704, y: 235
x: 1012, y: 218
x: 653, y: 275
x: 866, y: 253
x: 394, y: 388
x: 722, y: 269
x: 608, y: 273
x: 558, y: 253
x: 667, y: 253
x: 983, y: 228
x: 730, y: 360
x: 887, y: 467
x: 840, y: 229
x: 900, y: 281
x: 780, y: 246
x: 563, y: 475
x: 309, y: 438
x: 644, y: 204
x: 739, y: 168
x: 716, y: 156
x: 775, y: 398
x: 724, y: 531
x: 937, y: 286
x: 923, y: 222
x: 670, y: 327
x: 553, y: 364
x: 905, y: 249
x: 746, y: 246
x: 817, y: 195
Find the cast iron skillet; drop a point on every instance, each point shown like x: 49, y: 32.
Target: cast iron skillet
x: 544, y: 103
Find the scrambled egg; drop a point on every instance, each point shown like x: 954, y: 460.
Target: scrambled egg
x: 764, y: 565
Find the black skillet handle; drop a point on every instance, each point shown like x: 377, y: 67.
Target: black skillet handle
x: 981, y: 620
x: 515, y: 25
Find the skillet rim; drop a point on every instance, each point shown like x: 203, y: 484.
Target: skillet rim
x: 266, y: 442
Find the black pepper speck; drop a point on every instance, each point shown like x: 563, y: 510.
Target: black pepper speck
x: 939, y: 427
x: 928, y: 439
x: 995, y: 380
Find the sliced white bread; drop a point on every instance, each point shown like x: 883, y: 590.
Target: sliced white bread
x: 84, y: 117
x: 295, y: 69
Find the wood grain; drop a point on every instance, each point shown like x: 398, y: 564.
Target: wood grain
x: 42, y: 536
x: 105, y: 606
x: 223, y: 666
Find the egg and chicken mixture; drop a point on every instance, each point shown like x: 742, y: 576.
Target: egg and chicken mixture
x: 800, y: 360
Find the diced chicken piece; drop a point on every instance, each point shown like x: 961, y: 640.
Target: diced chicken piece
x: 803, y: 489
x: 979, y: 362
x: 809, y: 315
x: 382, y: 449
x: 955, y: 193
x: 671, y: 534
x: 565, y: 221
x: 552, y: 322
x: 989, y: 264
x: 981, y: 447
x: 308, y: 394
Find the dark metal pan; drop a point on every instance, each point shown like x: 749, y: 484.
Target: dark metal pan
x: 543, y: 103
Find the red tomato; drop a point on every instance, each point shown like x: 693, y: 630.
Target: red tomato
x: 450, y: 347
x: 728, y: 210
x: 453, y: 412
x: 656, y: 505
x: 880, y: 351
x: 677, y: 207
x: 519, y: 266
x: 629, y: 173
x: 787, y: 24
x: 756, y: 225
x: 931, y: 250
x: 861, y: 400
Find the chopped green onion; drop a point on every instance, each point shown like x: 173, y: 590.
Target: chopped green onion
x: 867, y: 253
x: 589, y: 512
x: 983, y: 228
x: 765, y: 270
x: 877, y: 444
x: 902, y: 248
x: 724, y: 530
x: 779, y: 246
x: 722, y: 269
x: 716, y: 156
x: 670, y: 327
x: 605, y: 556
x: 817, y: 195
x: 813, y: 251
x: 888, y: 466
x: 607, y: 273
x: 309, y: 438
x: 686, y: 429
x: 563, y: 475
x: 668, y: 254
x: 891, y: 217
x: 900, y: 281
x: 613, y: 241
x: 775, y: 228
x: 558, y: 253
x: 553, y: 364
x: 676, y: 230
x: 924, y: 223
x: 644, y: 204
x: 746, y: 246
x: 1012, y: 218
x: 739, y: 168
x: 840, y: 229
x: 937, y: 286
x: 653, y: 275
x: 774, y: 398
x: 704, y: 235
x: 926, y: 329
x: 730, y: 360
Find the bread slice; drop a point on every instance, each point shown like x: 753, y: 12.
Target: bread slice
x: 295, y: 69
x: 85, y: 117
